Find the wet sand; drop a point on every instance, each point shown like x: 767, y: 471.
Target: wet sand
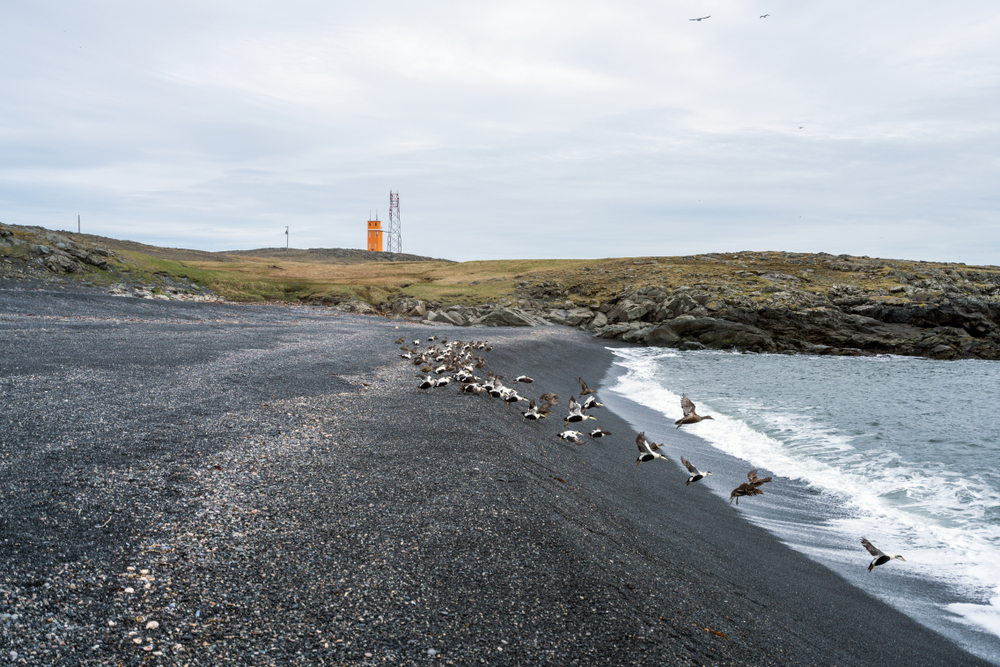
x: 294, y: 499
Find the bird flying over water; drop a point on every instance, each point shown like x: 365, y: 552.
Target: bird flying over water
x: 690, y: 416
x: 749, y: 488
x: 700, y: 19
x: 881, y: 558
x: 647, y: 450
x: 695, y: 473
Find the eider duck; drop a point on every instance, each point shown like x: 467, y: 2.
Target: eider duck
x: 749, y: 488
x: 690, y: 417
x: 591, y: 402
x: 599, y: 433
x: 647, y: 450
x: 584, y: 389
x: 695, y: 473
x: 572, y: 436
x: 576, y: 412
x: 881, y: 558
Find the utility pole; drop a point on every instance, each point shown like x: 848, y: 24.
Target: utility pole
x: 78, y: 223
x: 286, y: 238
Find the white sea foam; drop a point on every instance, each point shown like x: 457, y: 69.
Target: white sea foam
x: 937, y: 517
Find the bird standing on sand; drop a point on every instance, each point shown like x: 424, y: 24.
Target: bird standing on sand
x: 749, y: 488
x: 881, y: 558
x: 695, y: 473
x: 576, y: 413
x: 647, y: 450
x: 584, y: 389
x: 572, y: 436
x: 690, y: 416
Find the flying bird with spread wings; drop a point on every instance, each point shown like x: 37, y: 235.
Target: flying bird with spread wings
x: 700, y: 19
x: 647, y: 450
x: 690, y: 416
x: 881, y: 558
x: 695, y: 473
x: 749, y: 488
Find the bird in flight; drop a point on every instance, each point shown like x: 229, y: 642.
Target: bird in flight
x: 700, y: 19
x: 764, y: 16
x: 880, y: 557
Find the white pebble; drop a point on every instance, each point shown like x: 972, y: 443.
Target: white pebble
x: 130, y: 590
x: 152, y: 625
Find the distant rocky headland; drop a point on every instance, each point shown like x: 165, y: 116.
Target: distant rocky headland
x: 752, y: 301
x: 760, y: 302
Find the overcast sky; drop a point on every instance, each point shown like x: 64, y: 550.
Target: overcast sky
x: 510, y: 129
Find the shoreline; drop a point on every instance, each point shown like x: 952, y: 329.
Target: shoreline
x: 287, y: 486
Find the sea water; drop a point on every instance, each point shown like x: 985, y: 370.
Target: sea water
x: 904, y: 451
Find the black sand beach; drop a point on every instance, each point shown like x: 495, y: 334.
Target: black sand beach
x: 267, y: 486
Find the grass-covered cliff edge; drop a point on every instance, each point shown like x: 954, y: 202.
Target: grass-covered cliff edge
x: 758, y: 301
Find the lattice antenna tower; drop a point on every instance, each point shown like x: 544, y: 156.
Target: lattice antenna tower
x: 394, y: 232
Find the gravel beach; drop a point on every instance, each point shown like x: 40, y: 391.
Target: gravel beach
x: 204, y: 484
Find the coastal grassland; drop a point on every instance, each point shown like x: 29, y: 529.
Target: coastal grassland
x: 245, y: 278
x: 755, y: 276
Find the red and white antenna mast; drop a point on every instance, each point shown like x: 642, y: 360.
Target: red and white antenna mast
x: 395, y: 233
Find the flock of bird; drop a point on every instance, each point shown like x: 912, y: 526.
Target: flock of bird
x: 441, y: 362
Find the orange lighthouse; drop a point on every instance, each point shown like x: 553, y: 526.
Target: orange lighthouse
x: 375, y: 235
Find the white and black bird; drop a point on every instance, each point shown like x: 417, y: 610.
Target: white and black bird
x: 523, y: 378
x: 576, y: 413
x: 599, y: 433
x: 591, y: 403
x: 690, y: 416
x: 881, y: 558
x: 647, y: 450
x: 533, y: 413
x: 427, y: 382
x: 695, y: 473
x: 572, y: 436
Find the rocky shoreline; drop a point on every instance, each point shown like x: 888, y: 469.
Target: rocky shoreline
x: 751, y: 301
x: 886, y: 307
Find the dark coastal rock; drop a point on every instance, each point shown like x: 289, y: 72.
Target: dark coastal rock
x: 712, y: 332
x: 662, y: 336
x: 508, y: 317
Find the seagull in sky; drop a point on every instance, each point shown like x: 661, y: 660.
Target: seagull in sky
x: 764, y: 16
x: 700, y: 19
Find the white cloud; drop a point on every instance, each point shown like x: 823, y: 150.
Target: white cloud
x: 510, y: 129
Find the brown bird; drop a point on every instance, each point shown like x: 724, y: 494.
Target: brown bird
x: 749, y: 488
x: 690, y: 417
x: 881, y: 558
x: 584, y: 389
x: 400, y: 340
x: 647, y: 450
x: 550, y: 398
